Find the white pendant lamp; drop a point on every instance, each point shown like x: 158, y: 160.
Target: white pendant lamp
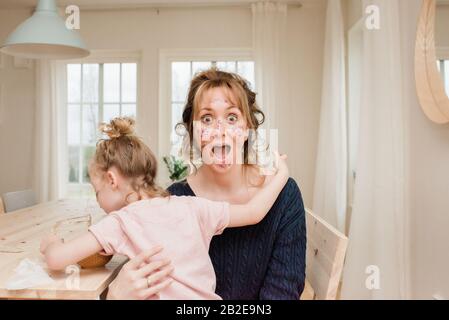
x: 45, y: 36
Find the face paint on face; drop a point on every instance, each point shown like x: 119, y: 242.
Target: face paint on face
x: 220, y: 130
x: 219, y: 103
x: 235, y: 131
x: 220, y: 125
x: 206, y: 134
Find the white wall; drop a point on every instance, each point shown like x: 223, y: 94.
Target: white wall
x: 16, y: 114
x: 149, y: 30
x: 352, y: 12
x: 442, y: 26
x: 305, y: 56
x: 429, y: 156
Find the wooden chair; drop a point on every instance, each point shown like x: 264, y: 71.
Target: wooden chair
x: 18, y: 200
x: 325, y: 254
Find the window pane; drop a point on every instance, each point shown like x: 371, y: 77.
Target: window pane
x: 129, y: 78
x: 111, y: 81
x: 73, y: 124
x: 88, y: 153
x: 228, y: 66
x: 73, y: 164
x: 90, y: 123
x: 246, y: 70
x: 200, y: 66
x: 129, y: 110
x: 110, y: 111
x: 90, y: 82
x: 73, y: 82
x: 180, y: 80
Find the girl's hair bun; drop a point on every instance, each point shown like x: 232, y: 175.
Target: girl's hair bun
x: 118, y: 127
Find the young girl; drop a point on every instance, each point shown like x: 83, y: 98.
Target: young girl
x: 142, y: 215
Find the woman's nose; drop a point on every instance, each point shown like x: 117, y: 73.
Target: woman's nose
x: 220, y: 127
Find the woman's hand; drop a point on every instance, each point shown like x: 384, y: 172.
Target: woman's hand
x: 140, y: 278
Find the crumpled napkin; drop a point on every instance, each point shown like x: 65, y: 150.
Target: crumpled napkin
x: 29, y: 273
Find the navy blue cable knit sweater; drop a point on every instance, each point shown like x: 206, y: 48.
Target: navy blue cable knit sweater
x: 265, y: 261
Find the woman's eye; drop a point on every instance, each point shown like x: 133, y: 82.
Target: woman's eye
x: 206, y: 119
x: 232, y: 118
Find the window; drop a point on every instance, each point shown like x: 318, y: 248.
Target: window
x: 183, y: 72
x: 96, y: 92
x: 443, y: 66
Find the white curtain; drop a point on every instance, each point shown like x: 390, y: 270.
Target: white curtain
x: 269, y: 31
x: 329, y: 200
x: 377, y: 259
x: 49, y: 143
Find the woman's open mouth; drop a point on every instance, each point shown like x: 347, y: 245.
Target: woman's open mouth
x: 221, y: 152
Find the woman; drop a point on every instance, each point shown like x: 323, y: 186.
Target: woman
x: 265, y: 261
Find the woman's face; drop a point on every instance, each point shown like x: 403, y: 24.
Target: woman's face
x: 220, y: 129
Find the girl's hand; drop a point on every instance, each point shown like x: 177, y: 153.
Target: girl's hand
x: 48, y: 240
x: 281, y: 164
x: 140, y: 278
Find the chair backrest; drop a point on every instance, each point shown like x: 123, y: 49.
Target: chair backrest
x: 325, y: 254
x: 18, y: 200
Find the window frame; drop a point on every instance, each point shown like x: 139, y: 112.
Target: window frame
x: 166, y: 57
x: 82, y: 189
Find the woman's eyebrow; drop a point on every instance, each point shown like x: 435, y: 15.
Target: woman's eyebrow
x: 206, y: 108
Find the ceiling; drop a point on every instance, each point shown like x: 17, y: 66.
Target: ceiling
x: 111, y: 4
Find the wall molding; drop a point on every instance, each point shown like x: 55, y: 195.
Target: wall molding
x: 109, y: 56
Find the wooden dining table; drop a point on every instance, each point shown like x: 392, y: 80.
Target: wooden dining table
x: 20, y: 234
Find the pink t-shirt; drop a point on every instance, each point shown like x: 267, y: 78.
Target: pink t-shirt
x: 183, y: 226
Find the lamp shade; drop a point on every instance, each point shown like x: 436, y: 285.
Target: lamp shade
x: 45, y: 36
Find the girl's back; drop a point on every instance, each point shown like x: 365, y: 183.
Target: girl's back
x: 183, y: 226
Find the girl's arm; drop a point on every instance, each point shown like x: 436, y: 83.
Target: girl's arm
x: 257, y: 208
x: 59, y: 255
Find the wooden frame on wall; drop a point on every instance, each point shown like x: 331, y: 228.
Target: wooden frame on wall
x: 429, y: 84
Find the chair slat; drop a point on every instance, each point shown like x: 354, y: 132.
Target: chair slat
x: 326, y: 249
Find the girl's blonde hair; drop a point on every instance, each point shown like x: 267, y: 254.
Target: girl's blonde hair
x: 128, y: 154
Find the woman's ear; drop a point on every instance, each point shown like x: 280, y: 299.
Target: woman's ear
x: 112, y: 179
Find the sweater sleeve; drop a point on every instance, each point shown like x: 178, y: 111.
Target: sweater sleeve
x: 285, y: 277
